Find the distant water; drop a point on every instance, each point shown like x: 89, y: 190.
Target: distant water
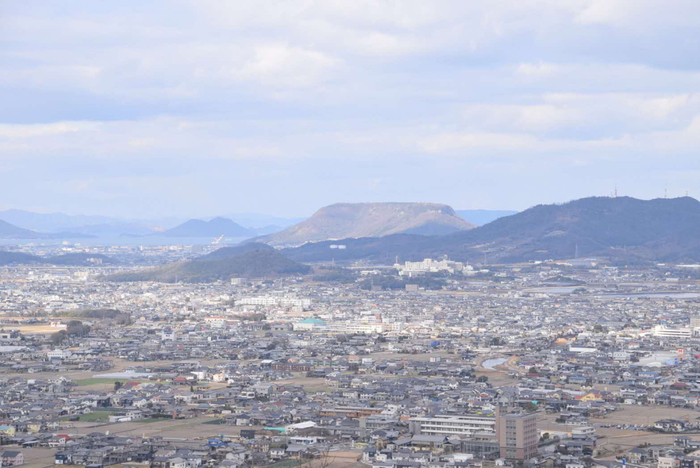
x: 653, y: 295
x: 490, y: 364
x: 127, y: 241
x: 554, y: 290
x: 659, y: 295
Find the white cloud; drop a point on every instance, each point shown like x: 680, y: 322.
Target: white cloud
x: 278, y: 65
x: 348, y: 81
x: 18, y: 131
x: 538, y: 70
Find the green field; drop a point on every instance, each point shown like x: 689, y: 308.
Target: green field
x: 95, y: 416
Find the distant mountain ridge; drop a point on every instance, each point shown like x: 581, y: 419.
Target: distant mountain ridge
x: 213, y: 228
x: 248, y: 225
x: 10, y: 231
x: 51, y: 221
x: 622, y: 229
x: 56, y: 225
x: 357, y: 220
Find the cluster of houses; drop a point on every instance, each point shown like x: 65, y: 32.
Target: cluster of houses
x: 509, y: 365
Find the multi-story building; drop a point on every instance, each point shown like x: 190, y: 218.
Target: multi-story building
x: 446, y: 424
x: 517, y: 435
x: 429, y: 266
x: 664, y: 332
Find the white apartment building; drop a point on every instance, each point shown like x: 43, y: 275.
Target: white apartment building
x: 59, y: 354
x: 275, y: 301
x: 428, y: 266
x: 461, y: 425
x: 664, y: 332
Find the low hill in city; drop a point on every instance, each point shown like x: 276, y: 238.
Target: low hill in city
x: 213, y: 228
x: 18, y: 258
x: 621, y: 229
x: 260, y: 262
x: 357, y: 220
x: 228, y: 252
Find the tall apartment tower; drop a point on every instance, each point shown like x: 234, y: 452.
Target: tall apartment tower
x: 517, y: 434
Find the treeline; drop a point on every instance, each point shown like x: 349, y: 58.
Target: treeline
x: 74, y: 328
x: 258, y: 317
x: 337, y: 275
x: 114, y: 315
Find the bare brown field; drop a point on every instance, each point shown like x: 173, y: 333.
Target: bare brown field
x: 38, y: 457
x: 614, y: 441
x: 35, y: 329
x: 119, y: 365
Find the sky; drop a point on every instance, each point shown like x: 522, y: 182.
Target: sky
x: 204, y: 107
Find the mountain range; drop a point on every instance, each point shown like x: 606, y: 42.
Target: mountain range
x: 10, y: 231
x: 61, y: 225
x: 358, y: 220
x: 619, y: 230
x: 622, y: 229
x: 30, y: 225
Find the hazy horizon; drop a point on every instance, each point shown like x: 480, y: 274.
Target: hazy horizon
x: 191, y: 109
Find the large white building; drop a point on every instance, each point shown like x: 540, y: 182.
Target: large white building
x: 461, y: 425
x: 430, y: 266
x: 664, y: 332
x: 276, y: 301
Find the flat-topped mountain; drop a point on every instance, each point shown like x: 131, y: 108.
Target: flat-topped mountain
x: 356, y: 220
x: 621, y: 228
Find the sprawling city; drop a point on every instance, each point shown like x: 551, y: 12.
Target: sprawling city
x: 558, y: 363
x: 350, y: 233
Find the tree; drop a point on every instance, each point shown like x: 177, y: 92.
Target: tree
x: 118, y: 385
x: 325, y: 460
x: 58, y: 337
x: 530, y: 406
